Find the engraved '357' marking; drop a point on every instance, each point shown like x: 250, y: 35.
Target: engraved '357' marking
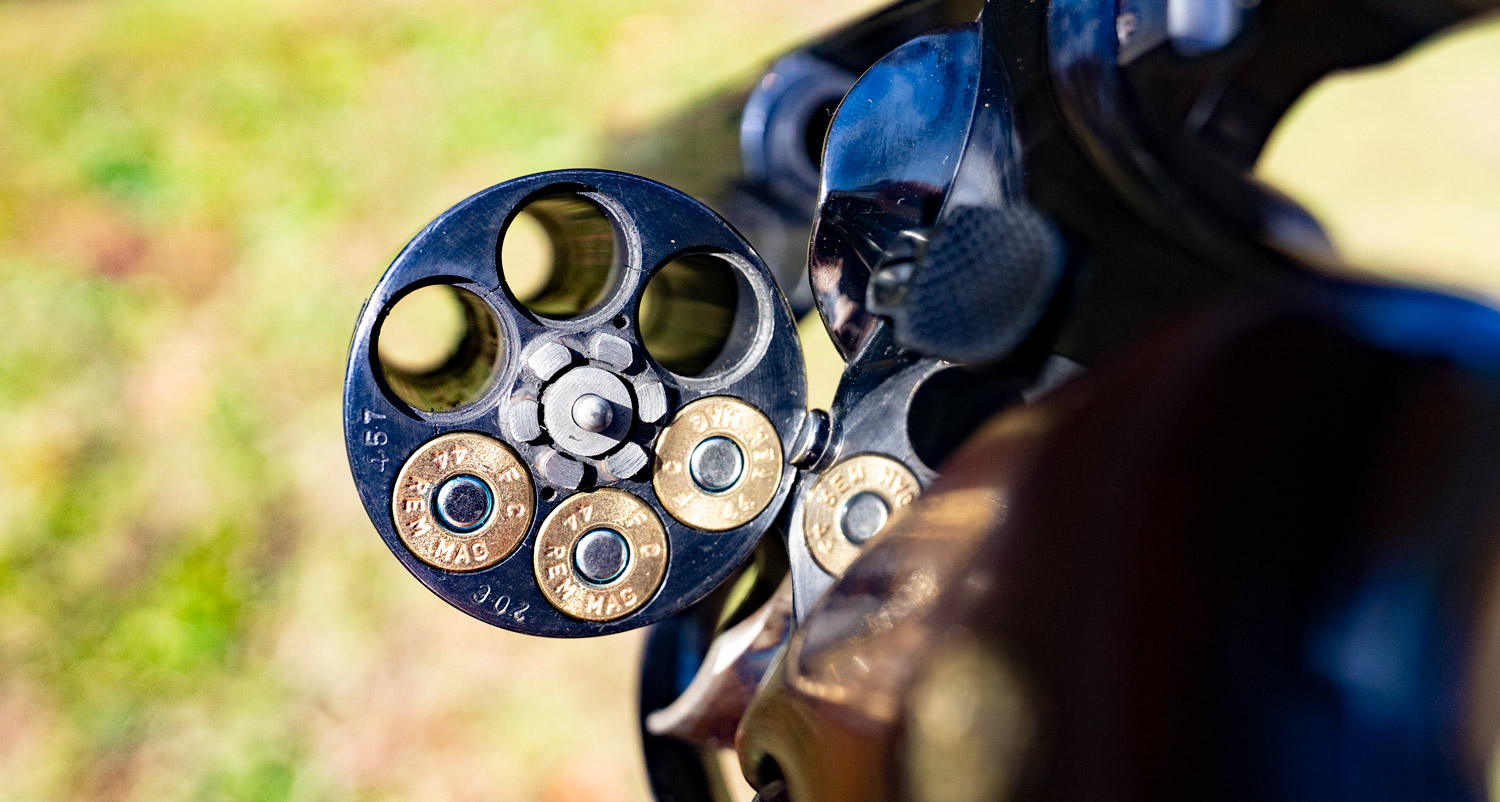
x: 374, y: 438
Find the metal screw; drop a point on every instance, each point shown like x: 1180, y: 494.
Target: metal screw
x: 601, y: 556
x: 863, y: 516
x: 716, y: 464
x: 464, y: 503
x: 593, y: 413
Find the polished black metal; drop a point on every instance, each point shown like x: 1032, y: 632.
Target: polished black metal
x: 754, y: 154
x: 760, y: 362
x: 928, y: 126
x: 914, y: 411
x: 973, y: 288
x: 1140, y: 146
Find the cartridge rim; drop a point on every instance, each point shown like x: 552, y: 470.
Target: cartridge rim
x: 555, y: 559
x: 827, y: 500
x: 702, y: 421
x: 512, y: 495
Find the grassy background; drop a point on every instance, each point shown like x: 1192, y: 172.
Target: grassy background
x: 1402, y: 163
x: 196, y: 197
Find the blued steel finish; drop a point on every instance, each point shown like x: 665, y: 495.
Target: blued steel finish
x: 869, y: 416
x: 915, y: 411
x: 1141, y: 153
x: 709, y: 710
x: 928, y: 125
x: 761, y: 364
x: 753, y: 154
x: 782, y: 128
x: 1252, y: 559
x: 1190, y: 191
x: 1211, y: 79
x: 675, y: 654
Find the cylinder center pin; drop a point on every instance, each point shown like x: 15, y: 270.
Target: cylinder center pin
x: 719, y: 464
x: 587, y: 410
x: 592, y: 413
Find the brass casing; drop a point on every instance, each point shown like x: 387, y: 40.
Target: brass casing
x: 863, y: 473
x: 575, y: 517
x: 449, y: 455
x: 748, y: 428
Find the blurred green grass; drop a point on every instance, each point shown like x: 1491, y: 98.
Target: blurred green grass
x: 195, y: 198
x: 1402, y: 162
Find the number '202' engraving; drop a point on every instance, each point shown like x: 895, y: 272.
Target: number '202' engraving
x: 501, y: 603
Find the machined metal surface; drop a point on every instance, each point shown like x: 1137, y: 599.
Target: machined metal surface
x: 587, y: 411
x: 592, y: 413
x: 583, y: 385
x: 626, y: 463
